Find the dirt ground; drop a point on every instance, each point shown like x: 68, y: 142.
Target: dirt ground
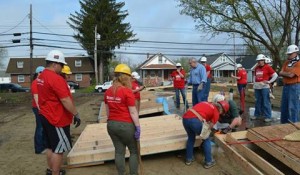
x: 17, y: 124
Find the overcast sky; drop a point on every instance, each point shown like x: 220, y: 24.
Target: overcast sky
x: 151, y: 20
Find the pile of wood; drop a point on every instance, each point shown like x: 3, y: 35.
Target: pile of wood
x: 269, y: 140
x: 159, y: 134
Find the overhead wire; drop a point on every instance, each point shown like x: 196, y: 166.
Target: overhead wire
x: 15, y: 25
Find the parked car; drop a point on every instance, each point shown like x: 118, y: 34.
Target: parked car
x: 73, y: 84
x: 103, y: 87
x: 12, y: 87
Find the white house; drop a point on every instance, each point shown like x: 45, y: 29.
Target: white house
x: 4, y: 78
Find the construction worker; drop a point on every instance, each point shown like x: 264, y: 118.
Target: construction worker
x: 39, y: 139
x: 290, y: 102
x: 241, y: 77
x: 123, y: 121
x: 197, y: 79
x: 57, y: 111
x: 178, y: 77
x: 66, y: 72
x: 263, y: 76
x: 136, y: 88
x: 198, y: 120
x: 231, y: 119
x: 203, y: 61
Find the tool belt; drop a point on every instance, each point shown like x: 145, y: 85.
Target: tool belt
x: 205, y: 131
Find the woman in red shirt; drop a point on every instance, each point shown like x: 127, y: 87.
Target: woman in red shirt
x: 123, y: 122
x: 241, y: 83
x: 136, y: 88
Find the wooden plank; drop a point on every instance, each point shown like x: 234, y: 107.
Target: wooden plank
x: 231, y: 152
x: 285, y: 151
x: 255, y: 159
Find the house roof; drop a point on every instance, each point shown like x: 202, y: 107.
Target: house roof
x: 3, y: 74
x: 141, y: 66
x: 212, y: 58
x: 248, y: 62
x: 160, y: 66
x: 86, y: 67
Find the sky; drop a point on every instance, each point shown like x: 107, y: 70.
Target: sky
x: 151, y: 20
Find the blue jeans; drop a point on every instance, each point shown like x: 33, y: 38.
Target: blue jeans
x: 197, y: 96
x: 262, y: 103
x: 206, y: 90
x: 39, y: 138
x: 193, y: 127
x: 290, y: 103
x: 182, y: 91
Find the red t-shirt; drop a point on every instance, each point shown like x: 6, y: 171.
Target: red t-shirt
x: 118, y: 103
x: 243, y: 74
x: 208, y: 69
x: 263, y: 73
x: 177, y: 80
x: 51, y: 88
x: 135, y: 86
x: 34, y: 90
x: 207, y: 110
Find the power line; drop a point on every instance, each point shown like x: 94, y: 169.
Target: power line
x: 15, y: 25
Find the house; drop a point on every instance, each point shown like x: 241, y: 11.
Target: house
x: 249, y: 63
x: 222, y: 66
x: 81, y: 67
x: 156, y: 69
x: 4, y: 77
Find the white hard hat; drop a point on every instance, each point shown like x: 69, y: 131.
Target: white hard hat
x: 238, y: 65
x: 292, y: 48
x: 268, y: 60
x: 135, y: 75
x: 178, y: 64
x: 56, y: 56
x: 203, y: 59
x: 217, y: 98
x: 260, y: 57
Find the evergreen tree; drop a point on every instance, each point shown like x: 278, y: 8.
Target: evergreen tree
x: 108, y: 16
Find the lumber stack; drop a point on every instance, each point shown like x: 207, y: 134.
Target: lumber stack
x: 159, y: 134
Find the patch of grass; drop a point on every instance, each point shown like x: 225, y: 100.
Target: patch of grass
x: 89, y: 89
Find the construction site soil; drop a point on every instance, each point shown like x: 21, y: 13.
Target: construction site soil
x: 17, y: 125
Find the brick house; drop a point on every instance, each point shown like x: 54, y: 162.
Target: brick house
x: 81, y: 67
x: 156, y: 69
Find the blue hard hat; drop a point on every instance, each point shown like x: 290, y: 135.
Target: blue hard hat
x: 39, y: 69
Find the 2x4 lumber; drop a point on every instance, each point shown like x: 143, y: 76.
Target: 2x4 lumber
x: 276, y: 151
x: 230, y: 152
x: 247, y: 153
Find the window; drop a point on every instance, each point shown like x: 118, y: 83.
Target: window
x: 78, y: 77
x: 21, y: 78
x: 223, y: 59
x: 77, y: 63
x: 160, y: 59
x: 20, y: 64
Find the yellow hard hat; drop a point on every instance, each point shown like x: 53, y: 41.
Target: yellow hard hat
x: 66, y: 70
x: 123, y: 68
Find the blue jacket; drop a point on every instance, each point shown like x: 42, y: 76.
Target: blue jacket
x: 197, y: 75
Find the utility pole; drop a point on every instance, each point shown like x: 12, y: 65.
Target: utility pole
x: 31, y: 45
x: 95, y: 57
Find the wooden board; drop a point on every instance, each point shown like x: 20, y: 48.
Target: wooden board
x: 285, y: 151
x: 159, y: 134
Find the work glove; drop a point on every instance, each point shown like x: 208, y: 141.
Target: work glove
x: 77, y: 120
x: 137, y: 133
x: 226, y: 130
x: 200, y: 87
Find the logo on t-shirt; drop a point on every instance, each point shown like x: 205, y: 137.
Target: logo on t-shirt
x: 113, y: 99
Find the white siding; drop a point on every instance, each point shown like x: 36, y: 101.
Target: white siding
x: 155, y: 60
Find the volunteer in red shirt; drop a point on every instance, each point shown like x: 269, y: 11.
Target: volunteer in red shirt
x: 193, y: 122
x: 178, y: 77
x: 263, y: 76
x: 241, y: 84
x: 203, y: 61
x: 39, y: 139
x: 57, y: 111
x: 123, y: 122
x: 136, y: 88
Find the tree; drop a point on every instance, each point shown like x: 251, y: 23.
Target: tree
x: 108, y: 17
x: 270, y: 23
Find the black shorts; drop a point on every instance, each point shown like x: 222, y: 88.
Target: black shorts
x: 58, y: 138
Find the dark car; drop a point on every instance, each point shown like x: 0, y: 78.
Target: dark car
x: 73, y: 84
x: 12, y: 87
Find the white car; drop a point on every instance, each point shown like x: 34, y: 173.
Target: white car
x: 103, y: 87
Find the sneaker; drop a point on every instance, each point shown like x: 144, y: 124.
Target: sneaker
x: 209, y: 165
x: 189, y: 162
x: 49, y: 172
x: 253, y: 117
x: 268, y: 120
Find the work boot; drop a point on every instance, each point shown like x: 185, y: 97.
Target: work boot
x: 189, y: 162
x: 49, y: 172
x: 268, y: 120
x: 209, y: 165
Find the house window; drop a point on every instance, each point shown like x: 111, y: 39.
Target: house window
x: 160, y: 59
x: 20, y: 64
x: 77, y: 63
x: 21, y: 78
x: 152, y: 73
x: 78, y: 77
x: 223, y: 59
